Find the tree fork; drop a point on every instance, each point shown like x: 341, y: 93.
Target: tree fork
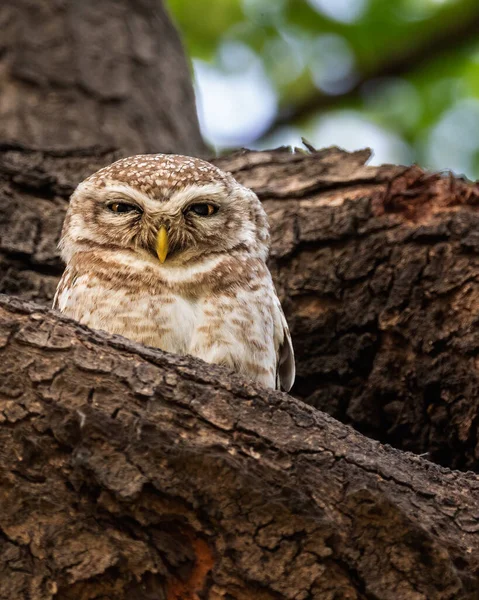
x: 376, y: 268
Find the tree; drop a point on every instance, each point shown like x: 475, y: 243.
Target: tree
x: 126, y: 472
x: 175, y: 479
x: 77, y: 74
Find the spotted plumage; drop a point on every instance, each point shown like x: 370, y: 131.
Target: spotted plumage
x: 170, y: 251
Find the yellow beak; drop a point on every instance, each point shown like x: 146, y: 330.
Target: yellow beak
x: 162, y: 244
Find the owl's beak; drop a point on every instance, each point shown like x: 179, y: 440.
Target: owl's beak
x: 162, y: 244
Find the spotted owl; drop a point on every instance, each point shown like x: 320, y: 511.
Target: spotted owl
x: 170, y: 251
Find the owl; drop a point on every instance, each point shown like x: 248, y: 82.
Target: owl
x: 170, y: 251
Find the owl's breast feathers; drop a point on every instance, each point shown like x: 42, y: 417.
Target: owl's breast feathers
x: 223, y: 309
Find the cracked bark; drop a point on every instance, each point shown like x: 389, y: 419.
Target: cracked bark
x: 129, y: 473
x: 376, y: 268
x: 83, y: 73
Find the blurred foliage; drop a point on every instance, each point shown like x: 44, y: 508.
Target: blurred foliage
x: 393, y: 66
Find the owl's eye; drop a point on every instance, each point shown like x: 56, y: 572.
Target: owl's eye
x: 123, y: 207
x: 203, y: 209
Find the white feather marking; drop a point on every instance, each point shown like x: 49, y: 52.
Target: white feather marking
x: 193, y: 192
x: 134, y: 193
x: 166, y: 271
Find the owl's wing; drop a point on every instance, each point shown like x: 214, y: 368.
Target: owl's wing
x: 285, y: 369
x: 65, y: 285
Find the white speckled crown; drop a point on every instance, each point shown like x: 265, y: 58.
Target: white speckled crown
x: 158, y: 175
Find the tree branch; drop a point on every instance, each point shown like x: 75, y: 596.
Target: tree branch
x: 127, y: 472
x: 376, y: 268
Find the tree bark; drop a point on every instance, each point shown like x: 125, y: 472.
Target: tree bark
x: 377, y: 269
x: 130, y: 473
x: 83, y: 73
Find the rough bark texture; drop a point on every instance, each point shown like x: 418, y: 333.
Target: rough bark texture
x: 129, y: 473
x: 377, y: 269
x: 78, y: 73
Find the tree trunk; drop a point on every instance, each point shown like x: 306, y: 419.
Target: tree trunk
x: 130, y: 473
x: 80, y: 73
x: 376, y: 268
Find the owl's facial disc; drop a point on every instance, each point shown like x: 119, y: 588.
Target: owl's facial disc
x: 174, y: 226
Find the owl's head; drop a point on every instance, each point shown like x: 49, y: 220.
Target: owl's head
x: 164, y: 207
